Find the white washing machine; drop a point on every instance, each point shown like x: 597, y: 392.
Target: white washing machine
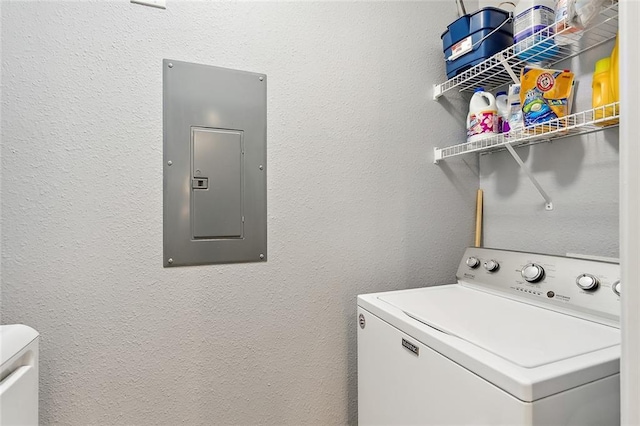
x: 520, y: 339
x: 18, y: 375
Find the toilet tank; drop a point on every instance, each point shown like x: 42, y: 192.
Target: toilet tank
x: 18, y: 375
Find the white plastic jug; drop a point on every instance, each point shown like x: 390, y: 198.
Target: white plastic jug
x: 482, y: 121
x: 502, y: 103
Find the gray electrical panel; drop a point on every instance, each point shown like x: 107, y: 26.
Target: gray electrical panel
x: 215, y: 139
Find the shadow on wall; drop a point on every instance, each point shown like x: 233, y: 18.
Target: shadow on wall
x: 454, y: 177
x: 564, y: 158
x: 457, y: 107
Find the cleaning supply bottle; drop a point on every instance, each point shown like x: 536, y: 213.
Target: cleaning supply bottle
x: 603, y: 92
x: 502, y: 104
x: 533, y: 27
x: 516, y: 119
x: 482, y: 120
x: 606, y: 87
x: 614, y: 71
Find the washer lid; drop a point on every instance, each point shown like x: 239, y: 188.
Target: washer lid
x: 14, y: 338
x: 523, y: 334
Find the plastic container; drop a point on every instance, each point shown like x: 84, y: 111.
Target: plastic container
x: 482, y: 120
x: 565, y: 32
x: 508, y: 6
x: 475, y: 37
x: 615, y: 71
x: 603, y: 92
x: 516, y: 120
x: 584, y: 13
x: 533, y: 27
x: 502, y: 104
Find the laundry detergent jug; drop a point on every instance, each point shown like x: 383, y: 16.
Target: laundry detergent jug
x: 603, y: 93
x: 482, y: 120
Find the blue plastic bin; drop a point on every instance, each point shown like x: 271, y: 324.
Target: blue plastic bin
x: 477, y: 26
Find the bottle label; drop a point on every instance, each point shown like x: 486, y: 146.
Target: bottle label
x: 482, y: 122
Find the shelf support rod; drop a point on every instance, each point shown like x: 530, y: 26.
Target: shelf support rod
x: 548, y: 203
x: 505, y: 64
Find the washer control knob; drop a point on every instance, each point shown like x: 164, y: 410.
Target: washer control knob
x: 587, y: 282
x: 473, y: 262
x: 616, y: 287
x: 532, y: 272
x: 491, y: 265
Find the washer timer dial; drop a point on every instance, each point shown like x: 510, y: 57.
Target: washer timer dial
x: 616, y: 287
x: 587, y: 282
x: 532, y: 272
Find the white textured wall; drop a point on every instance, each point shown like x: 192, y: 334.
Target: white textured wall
x: 580, y: 174
x: 355, y: 204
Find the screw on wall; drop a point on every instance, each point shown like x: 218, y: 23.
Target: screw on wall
x: 170, y: 260
x: 169, y: 163
x: 170, y: 65
x: 261, y: 256
x: 260, y: 167
x: 261, y: 78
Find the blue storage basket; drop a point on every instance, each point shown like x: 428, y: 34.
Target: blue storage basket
x: 490, y: 30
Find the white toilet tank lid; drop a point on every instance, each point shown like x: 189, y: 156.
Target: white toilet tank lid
x: 14, y: 338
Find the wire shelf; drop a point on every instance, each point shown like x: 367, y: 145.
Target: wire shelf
x: 589, y: 121
x: 546, y: 47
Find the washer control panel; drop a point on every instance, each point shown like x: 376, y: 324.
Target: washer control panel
x: 589, y: 289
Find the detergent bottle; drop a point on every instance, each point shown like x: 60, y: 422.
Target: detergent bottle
x: 482, y: 121
x: 502, y: 104
x: 614, y: 71
x: 605, y: 88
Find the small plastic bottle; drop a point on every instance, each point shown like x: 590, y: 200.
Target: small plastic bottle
x: 502, y: 103
x: 515, y: 121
